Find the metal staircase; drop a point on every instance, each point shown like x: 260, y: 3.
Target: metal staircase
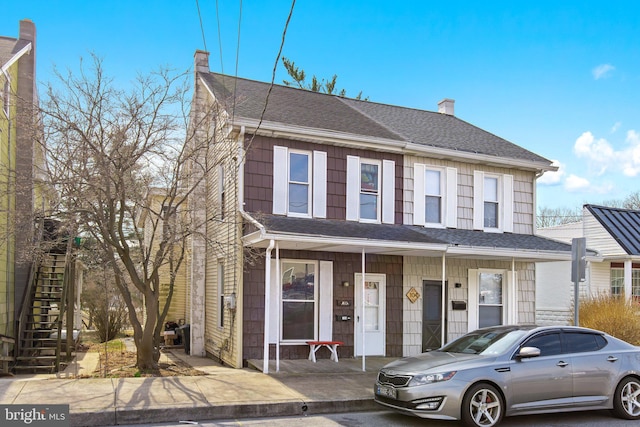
x: 41, y: 342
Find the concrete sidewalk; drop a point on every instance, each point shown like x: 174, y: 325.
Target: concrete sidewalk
x: 220, y: 394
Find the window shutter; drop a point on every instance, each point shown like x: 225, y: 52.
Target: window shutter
x: 451, y: 209
x: 388, y: 192
x: 325, y: 308
x: 508, y: 207
x: 478, y: 200
x: 280, y: 180
x: 319, y: 184
x: 418, y: 194
x: 353, y: 188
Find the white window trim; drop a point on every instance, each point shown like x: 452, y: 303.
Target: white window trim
x: 509, y: 303
x: 448, y: 194
x: 505, y: 202
x: 386, y: 190
x: 317, y: 196
x: 309, y: 183
x: 378, y: 218
x: 316, y: 299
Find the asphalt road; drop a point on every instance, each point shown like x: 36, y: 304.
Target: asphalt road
x: 390, y: 419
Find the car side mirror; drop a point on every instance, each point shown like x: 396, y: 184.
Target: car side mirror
x: 527, y: 352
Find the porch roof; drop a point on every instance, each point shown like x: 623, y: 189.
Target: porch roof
x: 403, y: 240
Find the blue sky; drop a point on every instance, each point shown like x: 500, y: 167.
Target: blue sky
x: 560, y: 78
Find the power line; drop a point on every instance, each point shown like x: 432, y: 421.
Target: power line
x: 204, y: 41
x: 219, y: 37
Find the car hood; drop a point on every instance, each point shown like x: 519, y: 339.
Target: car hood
x: 432, y: 359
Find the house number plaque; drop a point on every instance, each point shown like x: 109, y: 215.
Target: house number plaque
x: 413, y: 295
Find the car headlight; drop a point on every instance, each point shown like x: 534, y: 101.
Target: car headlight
x: 422, y: 379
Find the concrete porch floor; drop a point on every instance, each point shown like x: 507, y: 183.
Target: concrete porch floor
x: 323, y: 366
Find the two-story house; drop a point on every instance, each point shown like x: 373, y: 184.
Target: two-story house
x: 391, y: 229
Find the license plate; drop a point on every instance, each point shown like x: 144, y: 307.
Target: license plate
x: 385, y: 391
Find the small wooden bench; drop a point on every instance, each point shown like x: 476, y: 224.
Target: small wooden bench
x: 331, y: 345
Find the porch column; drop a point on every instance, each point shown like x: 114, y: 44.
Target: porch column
x: 267, y: 305
x: 444, y: 300
x: 364, y: 369
x: 628, y: 291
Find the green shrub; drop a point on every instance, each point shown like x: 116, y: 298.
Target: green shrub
x: 611, y: 314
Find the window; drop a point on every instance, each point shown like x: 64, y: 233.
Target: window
x: 435, y: 192
x: 491, y: 202
x: 299, y: 294
x: 433, y: 196
x: 299, y: 182
x: 493, y: 207
x: 577, y: 342
x: 221, y: 191
x: 617, y: 280
x: 549, y: 344
x: 370, y: 190
x: 221, y: 294
x: 490, y: 299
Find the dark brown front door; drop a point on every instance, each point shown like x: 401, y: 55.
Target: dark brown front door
x: 431, y: 315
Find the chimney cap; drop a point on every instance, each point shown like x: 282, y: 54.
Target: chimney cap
x: 446, y: 106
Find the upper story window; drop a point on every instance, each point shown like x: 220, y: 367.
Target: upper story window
x: 370, y: 190
x: 435, y: 196
x: 493, y: 202
x: 299, y: 182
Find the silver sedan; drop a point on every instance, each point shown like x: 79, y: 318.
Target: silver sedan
x: 501, y: 371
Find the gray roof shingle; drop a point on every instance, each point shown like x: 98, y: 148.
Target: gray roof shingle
x: 304, y: 108
x: 9, y: 47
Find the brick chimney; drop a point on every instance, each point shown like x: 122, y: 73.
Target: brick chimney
x: 446, y: 106
x: 202, y: 61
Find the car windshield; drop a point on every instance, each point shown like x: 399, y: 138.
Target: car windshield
x: 485, y: 342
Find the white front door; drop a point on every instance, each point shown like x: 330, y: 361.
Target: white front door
x: 371, y: 329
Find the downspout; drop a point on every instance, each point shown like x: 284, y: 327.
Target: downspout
x: 364, y: 368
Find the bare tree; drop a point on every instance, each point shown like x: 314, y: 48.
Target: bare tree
x: 551, y: 217
x: 120, y: 164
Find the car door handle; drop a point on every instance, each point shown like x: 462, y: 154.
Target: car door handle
x: 612, y: 359
x: 562, y: 364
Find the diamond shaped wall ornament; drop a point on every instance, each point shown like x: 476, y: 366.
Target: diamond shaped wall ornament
x: 413, y: 295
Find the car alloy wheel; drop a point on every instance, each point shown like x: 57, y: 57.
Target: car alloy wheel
x: 626, y: 402
x: 482, y: 406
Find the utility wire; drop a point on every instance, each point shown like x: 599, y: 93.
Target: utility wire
x: 204, y: 41
x: 273, y: 75
x: 219, y: 37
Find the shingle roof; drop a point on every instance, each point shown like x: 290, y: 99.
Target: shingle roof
x: 300, y: 107
x: 622, y: 224
x: 9, y: 47
x: 408, y: 233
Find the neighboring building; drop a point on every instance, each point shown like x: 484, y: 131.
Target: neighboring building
x: 613, y: 237
x: 390, y: 229
x: 19, y: 156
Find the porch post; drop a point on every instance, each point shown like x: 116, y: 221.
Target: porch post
x: 444, y: 300
x: 278, y: 296
x: 513, y: 300
x: 363, y: 311
x: 628, y: 291
x: 267, y: 304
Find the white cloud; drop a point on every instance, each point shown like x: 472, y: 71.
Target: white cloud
x: 553, y: 178
x: 630, y: 158
x: 602, y: 71
x: 575, y: 183
x: 599, y: 153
